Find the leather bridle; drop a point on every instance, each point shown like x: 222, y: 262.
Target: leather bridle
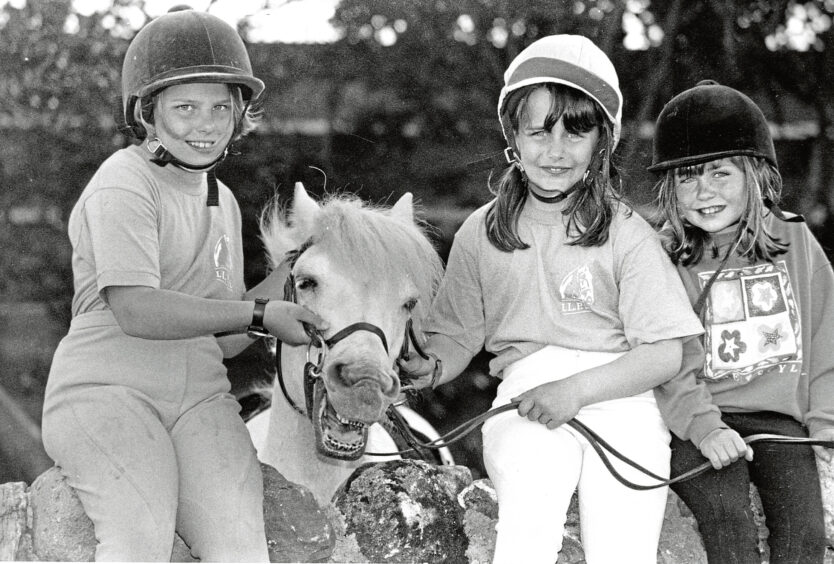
x: 313, y: 370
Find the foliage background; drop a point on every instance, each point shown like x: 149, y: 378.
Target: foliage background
x: 404, y: 101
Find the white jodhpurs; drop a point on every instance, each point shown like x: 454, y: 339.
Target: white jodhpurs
x: 535, y: 470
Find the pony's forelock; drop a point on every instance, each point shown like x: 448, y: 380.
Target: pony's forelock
x: 369, y: 241
x: 366, y: 240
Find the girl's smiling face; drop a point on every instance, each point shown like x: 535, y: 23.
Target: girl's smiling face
x: 711, y: 196
x: 195, y: 121
x: 554, y: 157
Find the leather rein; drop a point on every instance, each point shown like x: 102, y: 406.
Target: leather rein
x: 604, y: 449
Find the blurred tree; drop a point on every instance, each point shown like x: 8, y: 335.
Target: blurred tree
x: 441, y: 114
x: 58, y: 75
x: 442, y: 108
x: 408, y: 94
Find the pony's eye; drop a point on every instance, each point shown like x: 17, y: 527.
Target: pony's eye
x: 303, y: 284
x: 410, y: 305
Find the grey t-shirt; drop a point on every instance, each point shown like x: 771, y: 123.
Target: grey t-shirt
x: 608, y: 298
x: 138, y: 224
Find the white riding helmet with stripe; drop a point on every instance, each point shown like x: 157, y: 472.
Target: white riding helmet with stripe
x: 572, y: 60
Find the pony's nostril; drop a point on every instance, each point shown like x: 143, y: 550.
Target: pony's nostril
x: 341, y: 371
x: 394, y: 388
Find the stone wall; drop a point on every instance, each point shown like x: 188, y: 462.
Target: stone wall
x: 45, y: 522
x: 397, y: 511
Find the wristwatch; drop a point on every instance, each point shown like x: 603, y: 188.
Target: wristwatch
x: 256, y: 329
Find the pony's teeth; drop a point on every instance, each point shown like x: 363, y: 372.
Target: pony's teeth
x: 342, y: 445
x: 350, y: 422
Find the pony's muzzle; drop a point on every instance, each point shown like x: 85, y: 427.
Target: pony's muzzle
x: 361, y: 391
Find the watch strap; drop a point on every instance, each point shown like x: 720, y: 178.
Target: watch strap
x: 256, y: 328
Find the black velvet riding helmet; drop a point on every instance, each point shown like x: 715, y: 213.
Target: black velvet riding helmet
x: 708, y: 122
x: 179, y: 47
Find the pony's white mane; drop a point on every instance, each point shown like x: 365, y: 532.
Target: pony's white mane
x: 366, y: 240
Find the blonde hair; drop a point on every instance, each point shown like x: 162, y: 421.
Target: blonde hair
x: 686, y: 243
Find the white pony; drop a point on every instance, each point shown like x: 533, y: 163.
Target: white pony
x: 365, y: 269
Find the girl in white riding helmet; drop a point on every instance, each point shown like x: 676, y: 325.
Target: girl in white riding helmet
x: 137, y: 412
x: 574, y: 296
x: 765, y: 291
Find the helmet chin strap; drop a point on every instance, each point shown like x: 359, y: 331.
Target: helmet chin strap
x: 561, y: 195
x: 162, y: 156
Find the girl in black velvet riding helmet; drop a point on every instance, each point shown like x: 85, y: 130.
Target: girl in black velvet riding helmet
x: 137, y: 412
x: 765, y: 292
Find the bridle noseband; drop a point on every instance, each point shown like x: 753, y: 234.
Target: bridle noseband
x: 313, y: 370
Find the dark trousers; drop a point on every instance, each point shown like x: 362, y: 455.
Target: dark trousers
x: 788, y: 484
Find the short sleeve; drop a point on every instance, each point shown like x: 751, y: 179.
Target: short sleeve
x: 653, y: 302
x: 124, y: 238
x: 458, y: 308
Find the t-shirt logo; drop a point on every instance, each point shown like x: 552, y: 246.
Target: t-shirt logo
x: 752, y: 323
x: 223, y: 262
x: 576, y: 292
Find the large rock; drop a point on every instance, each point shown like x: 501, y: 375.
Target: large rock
x: 52, y: 525
x: 61, y: 531
x: 481, y: 513
x: 298, y: 530
x: 401, y: 511
x: 680, y: 542
x: 15, y: 540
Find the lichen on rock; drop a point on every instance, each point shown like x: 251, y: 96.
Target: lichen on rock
x: 402, y: 511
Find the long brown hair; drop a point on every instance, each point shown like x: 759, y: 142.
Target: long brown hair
x: 590, y: 208
x: 686, y: 243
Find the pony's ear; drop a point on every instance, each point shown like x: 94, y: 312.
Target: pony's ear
x: 404, y: 208
x: 304, y: 209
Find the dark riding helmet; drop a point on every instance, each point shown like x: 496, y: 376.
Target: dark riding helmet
x: 708, y: 122
x: 184, y: 46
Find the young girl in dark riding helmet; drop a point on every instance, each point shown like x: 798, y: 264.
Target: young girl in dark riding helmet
x: 574, y: 295
x: 765, y: 292
x: 137, y: 411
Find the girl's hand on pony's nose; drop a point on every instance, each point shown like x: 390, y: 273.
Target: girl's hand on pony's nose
x: 285, y: 320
